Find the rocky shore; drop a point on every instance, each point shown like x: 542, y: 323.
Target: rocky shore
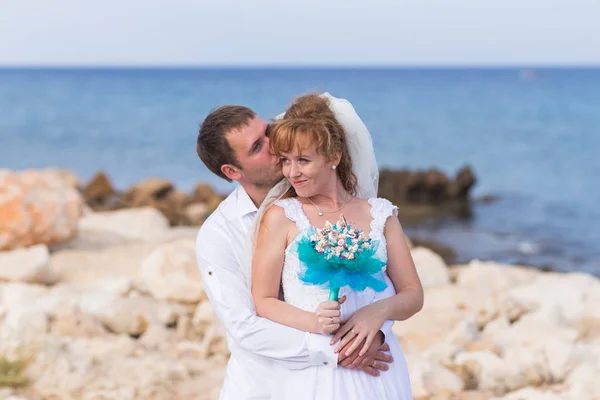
x: 100, y: 298
x: 419, y: 194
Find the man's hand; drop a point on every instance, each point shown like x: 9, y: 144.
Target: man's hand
x: 374, y: 360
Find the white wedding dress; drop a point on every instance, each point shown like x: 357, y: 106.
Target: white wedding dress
x: 317, y: 383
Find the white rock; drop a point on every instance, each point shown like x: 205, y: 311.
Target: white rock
x: 215, y: 341
x: 428, y: 327
x: 527, y: 332
x: 429, y: 377
x: 496, y: 326
x: 204, y: 315
x: 465, y: 332
x: 479, y: 303
x: 491, y: 372
x: 130, y: 315
x: 119, y: 285
x: 493, y: 277
x: 531, y: 364
x: 531, y: 394
x: 565, y: 292
x: 143, y: 223
x: 191, y: 349
x: 118, y: 367
x: 451, y: 297
x: 123, y: 317
x: 514, y: 307
x: 102, y: 291
x: 170, y: 272
x: 23, y: 327
x: 67, y: 296
x: 6, y: 394
x: 430, y: 266
x: 195, y: 213
x: 127, y: 393
x: 97, y: 303
x: 180, y: 232
x: 88, y: 266
x: 74, y: 323
x: 592, y: 300
x: 583, y: 383
x: 550, y: 315
x: 30, y: 265
x: 66, y: 368
x: 560, y: 358
x: 443, y: 353
x: 17, y: 294
x: 158, y: 337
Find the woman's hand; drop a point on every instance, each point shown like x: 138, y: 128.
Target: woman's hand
x: 327, y: 317
x: 363, y: 324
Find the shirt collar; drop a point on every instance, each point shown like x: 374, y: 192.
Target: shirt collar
x: 245, y: 205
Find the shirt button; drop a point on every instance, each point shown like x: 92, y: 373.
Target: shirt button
x: 210, y: 273
x: 325, y: 363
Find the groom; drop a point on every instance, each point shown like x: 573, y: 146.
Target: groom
x: 233, y: 143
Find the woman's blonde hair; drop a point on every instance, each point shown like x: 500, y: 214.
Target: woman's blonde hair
x: 308, y: 121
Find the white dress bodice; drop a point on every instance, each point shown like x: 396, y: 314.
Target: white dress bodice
x: 308, y: 297
x: 322, y: 382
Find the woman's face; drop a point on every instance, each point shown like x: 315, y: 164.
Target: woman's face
x: 309, y: 172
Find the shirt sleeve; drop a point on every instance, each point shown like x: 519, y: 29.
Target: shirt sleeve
x: 231, y: 300
x: 386, y: 329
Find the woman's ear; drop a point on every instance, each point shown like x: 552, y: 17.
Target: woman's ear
x: 231, y: 172
x: 336, y: 159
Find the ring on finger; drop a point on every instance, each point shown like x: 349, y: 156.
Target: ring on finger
x: 331, y: 320
x: 374, y: 364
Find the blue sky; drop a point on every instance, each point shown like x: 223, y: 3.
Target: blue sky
x: 299, y: 32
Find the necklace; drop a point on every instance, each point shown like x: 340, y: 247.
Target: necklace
x: 320, y: 212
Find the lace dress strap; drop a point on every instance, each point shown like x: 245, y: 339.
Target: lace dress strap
x: 381, y: 210
x: 293, y: 210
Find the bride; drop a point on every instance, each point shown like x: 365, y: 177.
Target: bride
x: 327, y: 159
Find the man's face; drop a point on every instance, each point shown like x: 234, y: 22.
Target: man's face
x: 251, y: 147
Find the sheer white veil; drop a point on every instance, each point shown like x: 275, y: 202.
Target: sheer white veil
x: 364, y: 163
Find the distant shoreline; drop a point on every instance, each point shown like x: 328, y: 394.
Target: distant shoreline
x: 291, y: 67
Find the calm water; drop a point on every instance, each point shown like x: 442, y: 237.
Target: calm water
x: 533, y: 141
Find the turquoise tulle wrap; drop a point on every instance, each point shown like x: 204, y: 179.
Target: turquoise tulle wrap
x: 363, y: 271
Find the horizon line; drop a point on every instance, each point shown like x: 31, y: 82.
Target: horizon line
x: 233, y: 66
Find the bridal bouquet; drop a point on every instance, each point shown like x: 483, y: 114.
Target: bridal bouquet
x: 340, y: 255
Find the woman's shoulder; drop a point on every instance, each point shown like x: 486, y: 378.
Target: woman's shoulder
x: 288, y: 202
x: 275, y: 214
x: 283, y: 210
x: 379, y: 200
x: 373, y: 201
x: 376, y: 202
x: 382, y: 205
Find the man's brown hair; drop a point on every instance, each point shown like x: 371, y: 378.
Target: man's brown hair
x: 212, y: 145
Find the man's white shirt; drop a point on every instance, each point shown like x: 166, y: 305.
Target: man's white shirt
x: 256, y: 344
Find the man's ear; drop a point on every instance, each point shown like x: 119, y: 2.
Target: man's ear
x: 231, y: 171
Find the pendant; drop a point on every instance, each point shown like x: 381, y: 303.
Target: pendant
x: 320, y: 213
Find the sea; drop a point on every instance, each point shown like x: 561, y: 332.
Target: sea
x: 531, y: 136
